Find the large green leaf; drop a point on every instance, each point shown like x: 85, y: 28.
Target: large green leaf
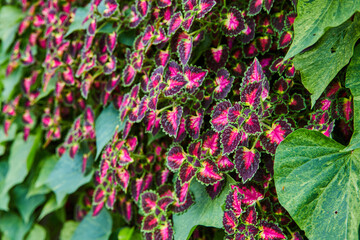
x: 315, y: 17
x: 318, y: 184
x: 38, y: 185
x: 26, y: 205
x: 21, y: 156
x: 13, y: 227
x: 10, y: 82
x: 205, y: 211
x: 105, y: 126
x: 51, y: 205
x: 92, y: 228
x: 10, y: 18
x: 37, y: 232
x: 68, y: 229
x: 67, y: 176
x: 5, y: 197
x: 327, y: 57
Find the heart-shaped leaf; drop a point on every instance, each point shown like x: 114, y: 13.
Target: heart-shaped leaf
x: 303, y: 155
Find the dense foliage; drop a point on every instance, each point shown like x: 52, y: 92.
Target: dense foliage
x: 162, y: 119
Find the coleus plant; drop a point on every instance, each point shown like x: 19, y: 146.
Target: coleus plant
x: 166, y: 94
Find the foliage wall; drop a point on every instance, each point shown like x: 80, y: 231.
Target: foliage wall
x: 179, y: 119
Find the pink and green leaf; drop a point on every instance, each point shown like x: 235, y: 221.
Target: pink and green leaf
x: 252, y: 125
x: 254, y: 7
x: 274, y: 136
x: 128, y: 75
x: 270, y: 231
x: 208, y: 173
x: 247, y: 162
x: 194, y: 122
x: 216, y: 58
x: 174, y: 85
x: 162, y: 58
x: 230, y: 222
x: 233, y: 22
x: 195, y: 76
x: 181, y: 134
x: 230, y: 139
x: 250, y: 195
x: 211, y: 143
x: 149, y: 223
x: 175, y: 158
x: 182, y: 190
x: 148, y: 201
x: 204, y: 6
x: 184, y: 49
x: 170, y: 120
x: 219, y: 118
x: 225, y: 164
x: 187, y: 172
x: 110, y: 8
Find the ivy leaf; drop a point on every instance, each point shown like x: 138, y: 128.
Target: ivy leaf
x: 67, y: 175
x: 327, y: 57
x: 315, y: 17
x: 317, y: 182
x: 205, y: 212
x: 98, y: 227
x: 105, y: 126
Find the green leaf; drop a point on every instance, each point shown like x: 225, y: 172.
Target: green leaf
x: 205, y: 211
x: 68, y: 229
x: 105, y: 126
x: 4, y: 166
x: 67, y: 176
x: 37, y: 232
x: 10, y: 17
x: 13, y: 227
x: 21, y: 157
x: 39, y: 185
x: 127, y: 38
x: 327, y: 57
x: 126, y: 233
x: 98, y: 227
x: 77, y: 24
x: 26, y: 205
x: 315, y: 17
x: 50, y: 206
x: 352, y: 82
x: 10, y: 82
x: 318, y: 184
